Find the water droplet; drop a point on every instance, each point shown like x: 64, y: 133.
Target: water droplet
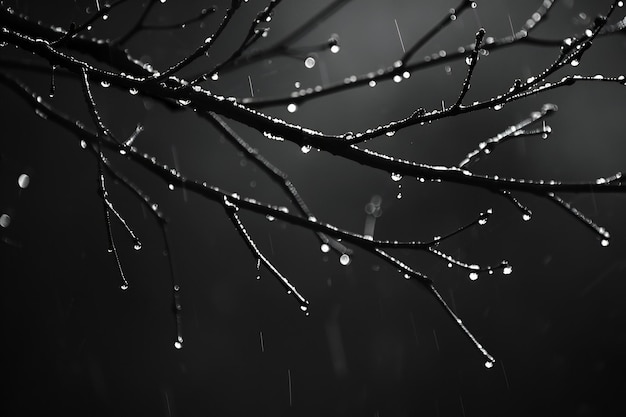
x: 5, y: 220
x: 372, y: 83
x: 292, y: 107
x: 604, y: 242
x: 177, y: 344
x: 124, y: 286
x: 23, y: 180
x: 574, y: 62
x: 270, y: 218
x: 334, y: 49
x: 526, y: 217
x: 303, y: 307
x: 450, y: 265
x: 154, y: 206
x: 468, y: 60
x: 390, y: 133
x: 105, y: 17
x: 488, y: 364
x: 133, y: 91
x: 105, y: 84
x: 474, y: 5
x: 137, y: 245
x: 497, y: 107
x: 309, y: 62
x: 325, y: 248
x: 399, y: 196
x: 507, y: 270
x: 83, y: 144
x: 305, y: 148
x: 184, y: 102
x: 397, y: 78
x: 396, y: 177
x: 473, y: 276
x: 344, y: 259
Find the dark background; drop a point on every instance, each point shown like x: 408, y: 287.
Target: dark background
x: 374, y: 344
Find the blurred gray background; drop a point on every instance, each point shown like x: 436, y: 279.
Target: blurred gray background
x: 374, y: 344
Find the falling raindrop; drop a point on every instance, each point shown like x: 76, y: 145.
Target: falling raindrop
x: 309, y: 62
x: 23, y: 180
x: 5, y: 220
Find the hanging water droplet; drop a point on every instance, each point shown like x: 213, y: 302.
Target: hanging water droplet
x: 344, y: 259
x: 473, y: 276
x: 397, y: 78
x: 468, y: 60
x: 171, y: 187
x: 270, y: 218
x: 390, y: 133
x: 133, y: 91
x: 303, y: 307
x: 488, y: 364
x: 23, y: 180
x: 177, y: 344
x: 305, y: 148
x: 507, y: 270
x: 574, y: 62
x: 526, y: 217
x: 292, y: 107
x: 325, y: 248
x: 372, y: 83
x: 184, y: 102
x: 450, y: 265
x: 604, y: 242
x: 497, y: 107
x: 124, y: 287
x: 399, y: 196
x: 309, y: 62
x: 137, y: 245
x: 396, y: 177
x: 5, y: 220
x: 83, y: 144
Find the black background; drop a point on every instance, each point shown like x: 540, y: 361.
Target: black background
x: 373, y: 345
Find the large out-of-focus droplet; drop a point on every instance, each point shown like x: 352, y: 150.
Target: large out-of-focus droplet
x: 309, y: 62
x: 5, y: 220
x: 23, y: 180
